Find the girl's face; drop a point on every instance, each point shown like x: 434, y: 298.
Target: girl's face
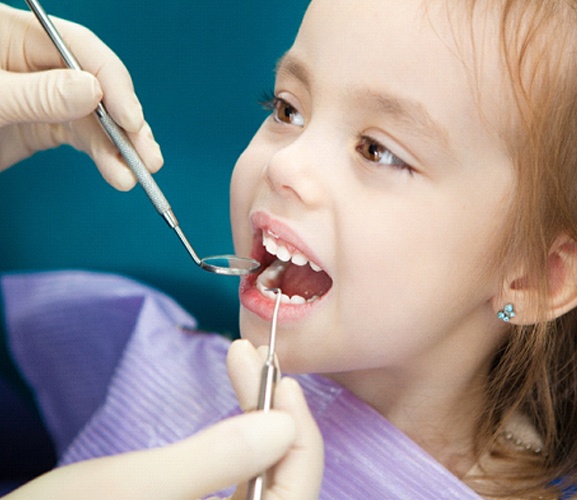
x: 377, y: 166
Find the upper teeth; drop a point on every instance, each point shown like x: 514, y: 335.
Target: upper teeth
x: 275, y: 247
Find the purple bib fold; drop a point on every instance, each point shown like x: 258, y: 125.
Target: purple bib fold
x: 113, y: 372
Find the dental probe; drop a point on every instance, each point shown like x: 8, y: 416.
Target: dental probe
x: 268, y: 380
x: 221, y: 264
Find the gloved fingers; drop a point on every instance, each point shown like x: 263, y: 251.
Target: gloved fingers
x: 149, y: 150
x: 25, y: 45
x: 30, y: 50
x: 87, y: 135
x: 225, y: 454
x: 58, y: 96
x: 299, y: 473
x: 233, y: 451
x: 97, y: 58
x: 244, y: 364
x: 20, y: 141
x: 106, y: 157
x: 47, y: 96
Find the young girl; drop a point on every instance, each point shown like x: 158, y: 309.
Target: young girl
x: 422, y: 155
x: 413, y: 195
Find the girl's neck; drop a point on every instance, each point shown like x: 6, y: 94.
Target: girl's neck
x: 439, y: 414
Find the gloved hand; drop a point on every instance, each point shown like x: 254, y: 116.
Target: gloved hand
x: 299, y: 473
x: 43, y: 105
x: 222, y: 455
x: 228, y: 453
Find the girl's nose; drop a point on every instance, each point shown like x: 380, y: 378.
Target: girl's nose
x: 295, y: 172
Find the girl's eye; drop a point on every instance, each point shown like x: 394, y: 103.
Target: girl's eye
x: 375, y: 152
x: 283, y: 112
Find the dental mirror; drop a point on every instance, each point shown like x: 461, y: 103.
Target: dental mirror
x: 229, y: 265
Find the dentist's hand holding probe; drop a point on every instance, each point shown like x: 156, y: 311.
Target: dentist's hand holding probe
x: 285, y: 441
x: 299, y: 473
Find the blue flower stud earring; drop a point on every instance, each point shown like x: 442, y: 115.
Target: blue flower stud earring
x: 507, y: 313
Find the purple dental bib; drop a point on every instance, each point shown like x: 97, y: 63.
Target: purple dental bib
x: 113, y: 371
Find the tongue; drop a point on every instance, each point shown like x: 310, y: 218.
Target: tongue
x: 305, y: 282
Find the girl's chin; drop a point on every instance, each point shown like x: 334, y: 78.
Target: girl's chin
x: 292, y: 360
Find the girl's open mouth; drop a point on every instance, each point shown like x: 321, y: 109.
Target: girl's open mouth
x: 285, y: 267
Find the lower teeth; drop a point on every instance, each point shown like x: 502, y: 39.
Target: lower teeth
x: 265, y: 289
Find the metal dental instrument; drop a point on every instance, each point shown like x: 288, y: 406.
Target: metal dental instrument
x: 220, y: 264
x: 269, y: 376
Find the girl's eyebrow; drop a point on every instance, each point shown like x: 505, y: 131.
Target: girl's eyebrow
x: 407, y: 112
x: 289, y: 64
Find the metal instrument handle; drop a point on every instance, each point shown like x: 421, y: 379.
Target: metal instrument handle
x: 114, y: 132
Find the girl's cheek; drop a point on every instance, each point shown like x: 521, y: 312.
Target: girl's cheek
x: 245, y: 177
x: 243, y: 173
x: 251, y: 165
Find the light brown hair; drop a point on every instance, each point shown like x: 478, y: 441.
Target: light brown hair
x: 535, y: 371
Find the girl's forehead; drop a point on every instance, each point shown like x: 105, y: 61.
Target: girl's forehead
x: 419, y: 49
x: 417, y: 35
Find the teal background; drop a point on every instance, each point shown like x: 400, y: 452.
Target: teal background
x: 199, y: 69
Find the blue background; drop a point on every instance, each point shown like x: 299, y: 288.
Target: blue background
x: 199, y: 69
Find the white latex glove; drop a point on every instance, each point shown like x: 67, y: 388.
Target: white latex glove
x: 286, y: 441
x: 299, y: 474
x: 43, y: 105
x: 225, y: 454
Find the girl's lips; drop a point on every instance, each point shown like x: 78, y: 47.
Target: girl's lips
x: 250, y: 297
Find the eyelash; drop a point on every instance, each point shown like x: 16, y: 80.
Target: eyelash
x: 271, y: 102
x: 268, y: 100
x: 383, y: 153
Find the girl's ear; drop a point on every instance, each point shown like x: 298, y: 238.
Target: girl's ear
x: 521, y: 290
